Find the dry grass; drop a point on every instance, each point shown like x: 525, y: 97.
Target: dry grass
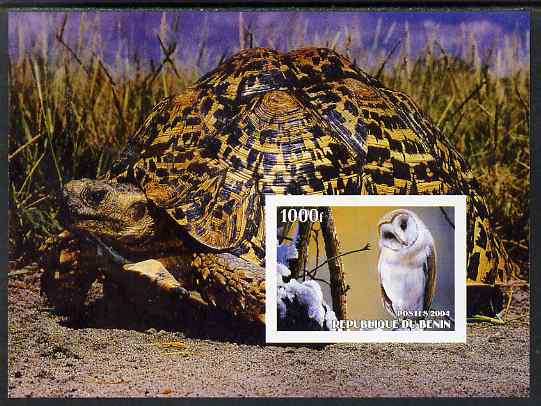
x: 70, y: 112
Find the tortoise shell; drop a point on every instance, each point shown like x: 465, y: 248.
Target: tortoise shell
x: 304, y: 122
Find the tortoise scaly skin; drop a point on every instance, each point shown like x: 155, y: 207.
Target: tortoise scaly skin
x: 304, y: 122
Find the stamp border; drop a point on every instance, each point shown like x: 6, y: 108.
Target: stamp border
x: 272, y: 335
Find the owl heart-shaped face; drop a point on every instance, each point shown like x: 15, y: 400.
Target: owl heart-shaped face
x: 400, y: 232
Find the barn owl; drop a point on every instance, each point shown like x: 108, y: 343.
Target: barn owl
x: 407, y: 264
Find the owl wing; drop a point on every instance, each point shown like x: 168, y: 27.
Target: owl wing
x: 387, y: 303
x: 429, y: 267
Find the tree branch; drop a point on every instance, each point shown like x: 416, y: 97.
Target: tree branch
x: 336, y: 268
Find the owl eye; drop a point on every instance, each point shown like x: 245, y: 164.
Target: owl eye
x: 403, y: 224
x: 388, y: 236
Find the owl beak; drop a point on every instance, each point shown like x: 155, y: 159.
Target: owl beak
x: 400, y: 240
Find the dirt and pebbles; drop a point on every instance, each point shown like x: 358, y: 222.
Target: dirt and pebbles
x: 114, y: 351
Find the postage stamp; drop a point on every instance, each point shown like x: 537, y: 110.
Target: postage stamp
x: 366, y: 268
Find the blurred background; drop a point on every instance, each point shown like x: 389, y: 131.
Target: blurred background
x: 81, y: 82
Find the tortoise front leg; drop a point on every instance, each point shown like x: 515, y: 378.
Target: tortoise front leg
x: 149, y: 286
x: 222, y: 280
x: 72, y: 264
x: 70, y: 267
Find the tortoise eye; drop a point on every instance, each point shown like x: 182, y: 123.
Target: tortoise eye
x: 403, y: 224
x: 388, y: 236
x: 138, y: 211
x: 94, y: 197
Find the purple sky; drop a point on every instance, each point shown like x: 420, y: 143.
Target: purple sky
x: 135, y: 31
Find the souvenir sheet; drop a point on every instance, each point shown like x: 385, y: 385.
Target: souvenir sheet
x: 272, y: 202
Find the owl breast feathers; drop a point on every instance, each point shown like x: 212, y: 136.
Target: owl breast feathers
x: 407, y: 262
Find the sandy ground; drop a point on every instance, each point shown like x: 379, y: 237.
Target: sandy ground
x: 114, y: 351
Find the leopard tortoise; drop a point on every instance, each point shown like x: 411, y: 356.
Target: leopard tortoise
x: 188, y: 188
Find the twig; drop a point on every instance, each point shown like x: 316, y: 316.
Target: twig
x: 365, y: 248
x: 524, y: 104
x: 222, y: 57
x: 322, y: 280
x: 506, y: 312
x: 60, y: 38
x: 24, y: 146
x: 496, y: 122
x: 463, y: 103
x: 147, y: 81
x: 516, y: 244
x: 453, y: 131
x: 447, y: 218
x: 168, y: 52
x: 115, y: 97
x: 31, y: 173
x: 387, y: 57
x: 525, y: 166
x: 149, y: 78
x: 36, y: 202
x: 445, y: 110
x: 488, y: 319
x: 106, y: 72
x: 442, y: 50
x: 63, y: 26
x: 200, y: 53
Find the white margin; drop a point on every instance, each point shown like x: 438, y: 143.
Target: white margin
x: 272, y: 202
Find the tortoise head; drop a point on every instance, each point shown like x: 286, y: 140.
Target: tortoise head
x: 118, y: 214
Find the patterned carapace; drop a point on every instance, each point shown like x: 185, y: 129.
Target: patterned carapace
x: 305, y: 122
